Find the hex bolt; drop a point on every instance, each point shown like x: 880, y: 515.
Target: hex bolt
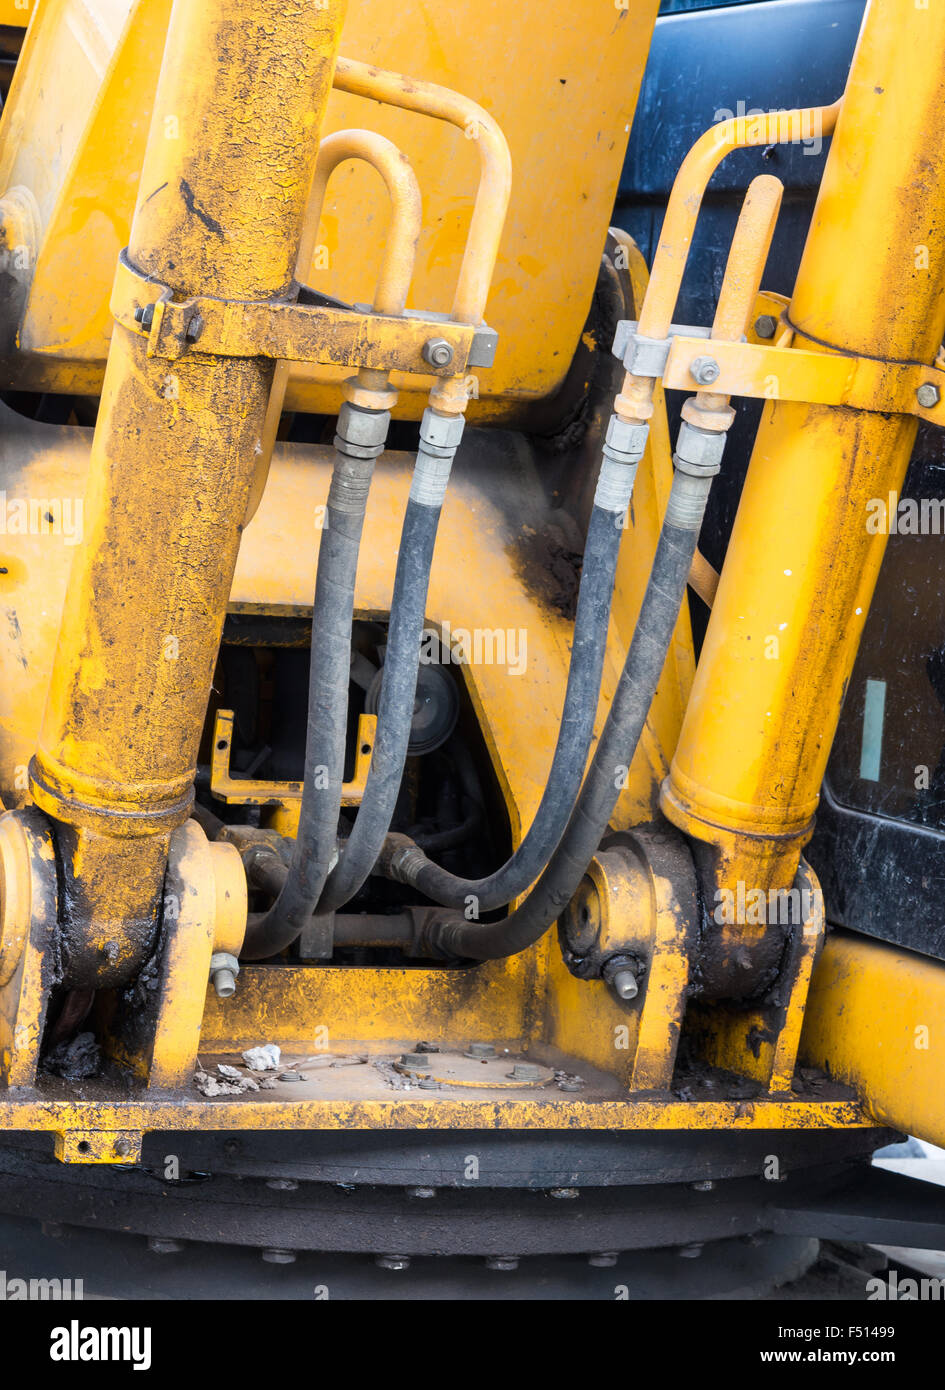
x: 928, y: 395
x: 160, y: 1245
x: 766, y: 325
x: 703, y: 1185
x: 427, y: 1083
x: 604, y: 1259
x: 502, y: 1262
x: 274, y: 1256
x: 480, y: 1051
x: 564, y: 1194
x: 705, y: 370
x: 123, y: 1148
x: 571, y: 1083
x: 624, y: 985
x: 194, y: 329
x: 392, y: 1261
x: 525, y: 1071
x: 289, y: 1076
x: 422, y: 1193
x: 621, y: 974
x: 144, y: 314
x: 224, y: 969
x: 282, y: 1184
x: 690, y: 1252
x: 437, y: 352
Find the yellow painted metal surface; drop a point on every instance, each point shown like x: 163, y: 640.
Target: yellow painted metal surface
x: 770, y: 372
x: 503, y: 999
x: 127, y: 695
x: 875, y: 1020
x: 98, y: 1125
x: 17, y: 12
x: 567, y: 127
x: 801, y: 564
x: 117, y: 745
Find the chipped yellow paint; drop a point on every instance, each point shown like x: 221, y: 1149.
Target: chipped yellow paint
x: 801, y: 565
x: 81, y: 147
x: 874, y: 1019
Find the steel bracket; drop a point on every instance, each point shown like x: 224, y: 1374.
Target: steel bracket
x: 244, y: 791
x: 312, y: 329
x: 647, y: 356
x: 813, y: 376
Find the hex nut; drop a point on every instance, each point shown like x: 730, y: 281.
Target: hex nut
x: 625, y: 438
x: 624, y: 985
x: 701, y: 449
x: 705, y: 370
x: 524, y: 1071
x: 416, y: 1060
x: 437, y: 352
x: 365, y: 428
x: 441, y: 431
x: 224, y: 969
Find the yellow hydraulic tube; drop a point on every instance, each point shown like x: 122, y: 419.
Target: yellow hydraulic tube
x: 495, y: 184
x: 220, y: 212
x: 746, y: 262
x: 682, y: 212
x: 801, y: 563
x: 679, y: 224
x: 449, y: 395
x: 393, y: 284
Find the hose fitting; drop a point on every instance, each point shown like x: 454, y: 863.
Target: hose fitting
x: 440, y: 437
x: 623, y: 448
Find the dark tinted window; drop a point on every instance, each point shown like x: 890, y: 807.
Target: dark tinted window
x: 674, y: 6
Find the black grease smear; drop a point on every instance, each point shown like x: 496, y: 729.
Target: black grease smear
x: 206, y: 219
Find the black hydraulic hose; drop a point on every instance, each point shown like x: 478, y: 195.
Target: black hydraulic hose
x: 439, y: 841
x: 360, y: 438
x: 471, y: 804
x: 454, y: 936
x: 570, y: 755
x: 622, y: 451
x: 439, y: 440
